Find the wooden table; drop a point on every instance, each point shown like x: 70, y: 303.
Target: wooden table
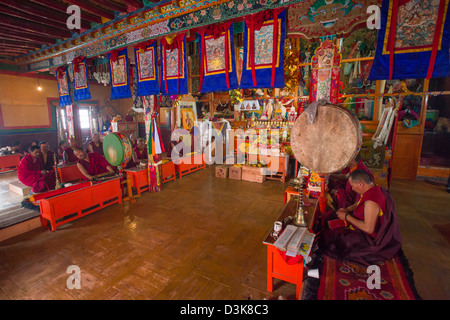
x: 139, y: 176
x: 69, y: 173
x: 277, y: 267
x: 76, y: 204
x: 9, y: 162
x: 190, y: 164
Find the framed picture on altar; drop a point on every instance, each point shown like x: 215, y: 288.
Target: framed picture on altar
x: 188, y: 118
x: 183, y: 107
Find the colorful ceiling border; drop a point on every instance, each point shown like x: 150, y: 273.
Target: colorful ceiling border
x: 144, y: 26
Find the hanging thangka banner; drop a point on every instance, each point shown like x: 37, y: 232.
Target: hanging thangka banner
x: 63, y: 86
x: 325, y: 73
x: 264, y: 36
x: 217, y: 59
x: 80, y: 80
x: 118, y: 69
x: 147, y: 77
x: 413, y: 41
x: 173, y: 65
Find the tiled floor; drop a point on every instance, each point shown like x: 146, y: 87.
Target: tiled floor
x: 199, y: 238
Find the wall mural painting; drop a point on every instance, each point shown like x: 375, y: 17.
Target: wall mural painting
x: 317, y: 18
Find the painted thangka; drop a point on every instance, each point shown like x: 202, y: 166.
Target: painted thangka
x: 413, y: 40
x: 217, y: 62
x: 118, y: 69
x: 81, y: 85
x: 318, y: 18
x: 147, y: 76
x: 325, y: 73
x: 173, y: 65
x: 63, y: 86
x: 264, y: 36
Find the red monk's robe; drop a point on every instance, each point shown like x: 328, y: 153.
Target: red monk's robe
x: 97, y: 148
x: 29, y: 173
x: 97, y: 164
x: 70, y: 156
x: 141, y: 155
x: 346, y: 196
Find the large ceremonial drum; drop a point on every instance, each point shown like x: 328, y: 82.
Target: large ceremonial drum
x: 117, y: 149
x: 330, y: 142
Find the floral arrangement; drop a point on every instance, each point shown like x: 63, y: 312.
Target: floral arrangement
x: 235, y: 96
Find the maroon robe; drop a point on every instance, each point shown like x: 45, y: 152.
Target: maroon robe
x: 345, y: 196
x: 29, y: 173
x: 141, y: 155
x: 97, y: 164
x: 70, y: 156
x: 50, y: 163
x: 357, y: 246
x: 98, y: 149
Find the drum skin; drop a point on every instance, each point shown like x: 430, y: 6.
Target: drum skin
x: 117, y: 149
x: 330, y: 142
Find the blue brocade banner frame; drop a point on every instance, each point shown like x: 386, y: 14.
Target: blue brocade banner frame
x: 174, y: 80
x: 414, y: 40
x: 218, y: 62
x: 147, y: 83
x: 263, y: 63
x: 81, y: 84
x: 118, y: 69
x: 62, y: 79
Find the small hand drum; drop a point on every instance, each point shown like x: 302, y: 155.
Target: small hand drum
x: 330, y: 142
x: 117, y: 149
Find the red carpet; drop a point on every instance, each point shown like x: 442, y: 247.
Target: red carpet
x: 347, y: 281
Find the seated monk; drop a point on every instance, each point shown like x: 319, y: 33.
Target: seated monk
x: 61, y: 148
x: 341, y: 190
x: 369, y: 233
x: 133, y: 140
x: 140, y: 152
x: 46, y: 156
x: 96, y: 145
x: 91, y: 164
x: 68, y: 154
x: 32, y: 174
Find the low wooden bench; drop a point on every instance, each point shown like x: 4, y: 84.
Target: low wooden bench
x: 67, y: 207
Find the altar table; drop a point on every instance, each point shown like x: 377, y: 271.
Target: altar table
x: 139, y: 176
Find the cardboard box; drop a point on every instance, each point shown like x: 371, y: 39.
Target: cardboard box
x: 19, y: 188
x: 235, y: 173
x: 254, y: 174
x: 221, y: 172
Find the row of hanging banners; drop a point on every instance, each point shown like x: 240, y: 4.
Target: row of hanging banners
x: 401, y: 53
x: 264, y: 36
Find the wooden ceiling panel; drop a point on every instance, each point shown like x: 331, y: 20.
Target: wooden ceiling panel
x: 30, y: 24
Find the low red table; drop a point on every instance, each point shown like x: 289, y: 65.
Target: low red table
x: 190, y: 164
x: 139, y: 176
x: 277, y: 267
x: 9, y: 162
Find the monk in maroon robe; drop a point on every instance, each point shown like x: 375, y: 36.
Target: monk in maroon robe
x: 69, y: 155
x: 96, y: 145
x: 46, y: 156
x: 91, y: 164
x: 31, y: 173
x: 140, y: 152
x: 341, y: 190
x: 371, y: 234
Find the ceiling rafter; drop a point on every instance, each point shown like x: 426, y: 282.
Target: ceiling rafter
x: 93, y: 9
x: 61, y: 7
